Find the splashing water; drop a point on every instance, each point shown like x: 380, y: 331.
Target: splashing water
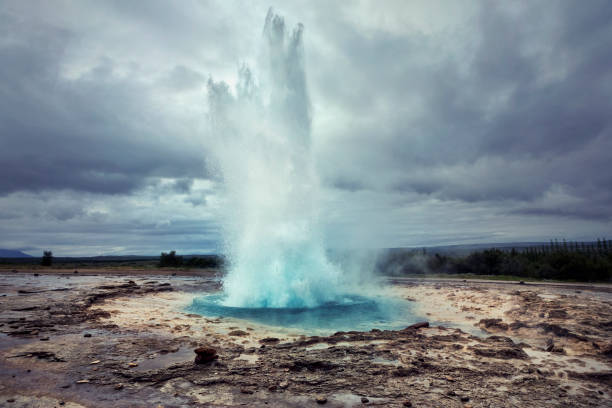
x: 263, y: 146
x: 349, y: 313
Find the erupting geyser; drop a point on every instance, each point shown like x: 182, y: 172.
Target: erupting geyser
x: 262, y: 133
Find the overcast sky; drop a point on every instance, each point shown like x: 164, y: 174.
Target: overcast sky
x: 433, y: 122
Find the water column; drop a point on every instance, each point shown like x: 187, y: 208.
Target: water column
x: 261, y: 133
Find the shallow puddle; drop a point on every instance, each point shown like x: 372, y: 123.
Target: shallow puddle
x: 159, y: 361
x: 384, y: 361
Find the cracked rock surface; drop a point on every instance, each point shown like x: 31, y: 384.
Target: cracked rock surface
x: 123, y: 340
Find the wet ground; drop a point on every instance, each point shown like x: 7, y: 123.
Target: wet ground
x: 125, y: 339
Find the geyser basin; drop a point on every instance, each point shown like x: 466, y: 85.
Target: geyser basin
x: 350, y: 312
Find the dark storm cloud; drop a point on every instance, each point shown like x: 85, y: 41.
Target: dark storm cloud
x: 98, y: 132
x: 183, y: 185
x: 562, y: 114
x: 526, y: 110
x: 438, y: 121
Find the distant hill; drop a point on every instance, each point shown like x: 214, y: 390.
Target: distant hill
x: 11, y: 253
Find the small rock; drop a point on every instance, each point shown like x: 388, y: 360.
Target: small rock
x: 272, y: 388
x: 62, y: 403
x: 44, y: 339
x: 87, y: 335
x: 465, y: 398
x: 283, y: 384
x: 10, y: 400
x: 404, y: 372
x: 557, y: 314
x: 133, y: 365
x: 417, y: 326
x: 82, y: 381
x: 269, y: 340
x: 493, y: 323
x: 118, y: 386
x: 246, y: 391
x: 451, y: 393
x: 407, y: 404
x: 205, y: 355
x: 606, y: 349
x: 364, y: 400
x: 237, y: 333
x: 36, y: 274
x: 321, y: 399
x: 521, y: 282
x: 75, y: 271
x: 95, y: 362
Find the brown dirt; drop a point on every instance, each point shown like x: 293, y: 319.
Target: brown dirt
x: 542, y: 346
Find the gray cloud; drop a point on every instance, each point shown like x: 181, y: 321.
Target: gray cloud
x: 439, y: 123
x: 525, y: 107
x: 182, y: 78
x: 98, y: 132
x: 587, y: 213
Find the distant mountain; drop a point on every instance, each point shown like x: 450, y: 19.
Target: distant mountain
x: 11, y: 253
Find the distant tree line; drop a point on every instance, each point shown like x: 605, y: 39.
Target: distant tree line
x: 563, y: 260
x: 171, y: 259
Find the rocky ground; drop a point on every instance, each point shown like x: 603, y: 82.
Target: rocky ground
x: 106, y: 340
